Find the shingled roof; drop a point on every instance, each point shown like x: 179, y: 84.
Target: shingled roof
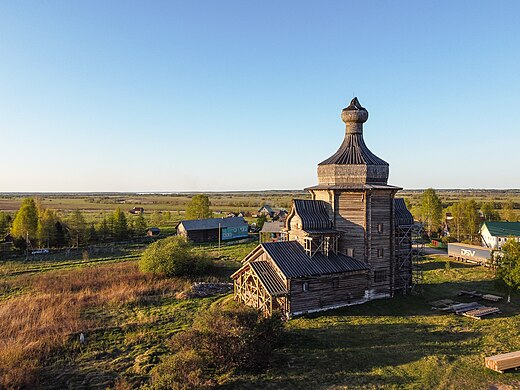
x: 293, y: 261
x: 313, y: 214
x: 213, y: 223
x: 403, y: 217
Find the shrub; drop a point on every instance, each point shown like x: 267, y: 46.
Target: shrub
x: 173, y: 256
x: 183, y: 370
x: 220, y: 341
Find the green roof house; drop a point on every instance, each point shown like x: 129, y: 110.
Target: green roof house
x: 495, y: 234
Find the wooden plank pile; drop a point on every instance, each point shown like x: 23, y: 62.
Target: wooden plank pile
x: 471, y: 309
x: 504, y: 361
x: 481, y: 312
x: 491, y: 297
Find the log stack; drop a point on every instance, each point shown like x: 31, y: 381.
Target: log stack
x: 503, y: 362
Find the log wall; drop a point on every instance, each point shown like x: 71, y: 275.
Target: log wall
x: 326, y: 291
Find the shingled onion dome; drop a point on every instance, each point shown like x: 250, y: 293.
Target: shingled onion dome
x: 353, y: 163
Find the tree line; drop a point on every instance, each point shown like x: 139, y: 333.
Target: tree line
x: 466, y: 215
x: 44, y: 227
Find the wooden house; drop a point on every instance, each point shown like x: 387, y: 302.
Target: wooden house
x: 272, y: 231
x: 346, y: 245
x: 206, y: 230
x: 266, y: 211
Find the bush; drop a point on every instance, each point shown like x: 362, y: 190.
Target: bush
x: 220, y: 341
x: 183, y: 370
x: 448, y: 239
x: 173, y: 256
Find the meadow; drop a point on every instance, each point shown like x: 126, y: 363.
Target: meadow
x: 128, y: 317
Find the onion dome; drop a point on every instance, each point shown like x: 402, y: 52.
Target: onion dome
x: 353, y: 162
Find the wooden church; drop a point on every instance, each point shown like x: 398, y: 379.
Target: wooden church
x: 350, y: 244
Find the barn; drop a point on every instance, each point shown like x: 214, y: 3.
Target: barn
x: 350, y: 243
x: 206, y: 230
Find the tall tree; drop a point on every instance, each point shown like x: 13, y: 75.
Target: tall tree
x: 156, y: 218
x: 508, y: 212
x: 490, y: 214
x: 47, y: 227
x: 431, y: 210
x: 509, y: 265
x: 140, y: 225
x: 198, y: 207
x: 120, y: 225
x: 5, y: 223
x: 471, y: 218
x: 103, y: 229
x: 25, y: 222
x: 456, y: 223
x: 78, y: 228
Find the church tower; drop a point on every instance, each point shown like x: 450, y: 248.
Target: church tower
x: 353, y: 181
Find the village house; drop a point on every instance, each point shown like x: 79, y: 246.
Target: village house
x: 206, y: 230
x: 495, y: 234
x: 349, y: 244
x: 271, y: 231
x: 266, y: 211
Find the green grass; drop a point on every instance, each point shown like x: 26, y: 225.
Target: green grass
x: 391, y: 343
x: 133, y: 341
x: 397, y: 343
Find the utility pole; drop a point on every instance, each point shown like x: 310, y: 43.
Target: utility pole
x: 219, y: 234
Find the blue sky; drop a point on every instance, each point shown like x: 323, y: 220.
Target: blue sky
x: 242, y: 95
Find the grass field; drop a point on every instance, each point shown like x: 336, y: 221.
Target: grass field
x: 398, y: 343
x: 128, y: 318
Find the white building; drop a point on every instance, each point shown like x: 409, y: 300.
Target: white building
x: 495, y: 234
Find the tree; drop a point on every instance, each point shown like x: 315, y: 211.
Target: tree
x: 172, y: 256
x: 431, y: 210
x: 78, y: 228
x: 5, y: 223
x: 60, y: 235
x: 25, y: 222
x: 140, y: 225
x: 103, y: 229
x: 456, y: 223
x: 471, y: 218
x: 509, y: 265
x: 47, y: 227
x: 156, y: 218
x: 198, y: 207
x: 120, y: 225
x: 508, y: 212
x: 488, y: 209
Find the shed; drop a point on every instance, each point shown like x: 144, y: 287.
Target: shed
x: 153, y: 231
x: 205, y: 230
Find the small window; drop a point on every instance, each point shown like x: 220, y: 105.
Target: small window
x: 335, y: 283
x: 380, y: 228
x: 380, y: 252
x: 350, y: 252
x: 305, y: 286
x: 380, y: 276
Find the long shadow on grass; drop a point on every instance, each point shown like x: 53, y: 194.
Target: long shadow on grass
x: 345, y: 354
x: 433, y: 265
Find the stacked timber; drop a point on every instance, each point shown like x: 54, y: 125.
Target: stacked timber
x: 503, y: 362
x: 481, y: 312
x: 491, y: 297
